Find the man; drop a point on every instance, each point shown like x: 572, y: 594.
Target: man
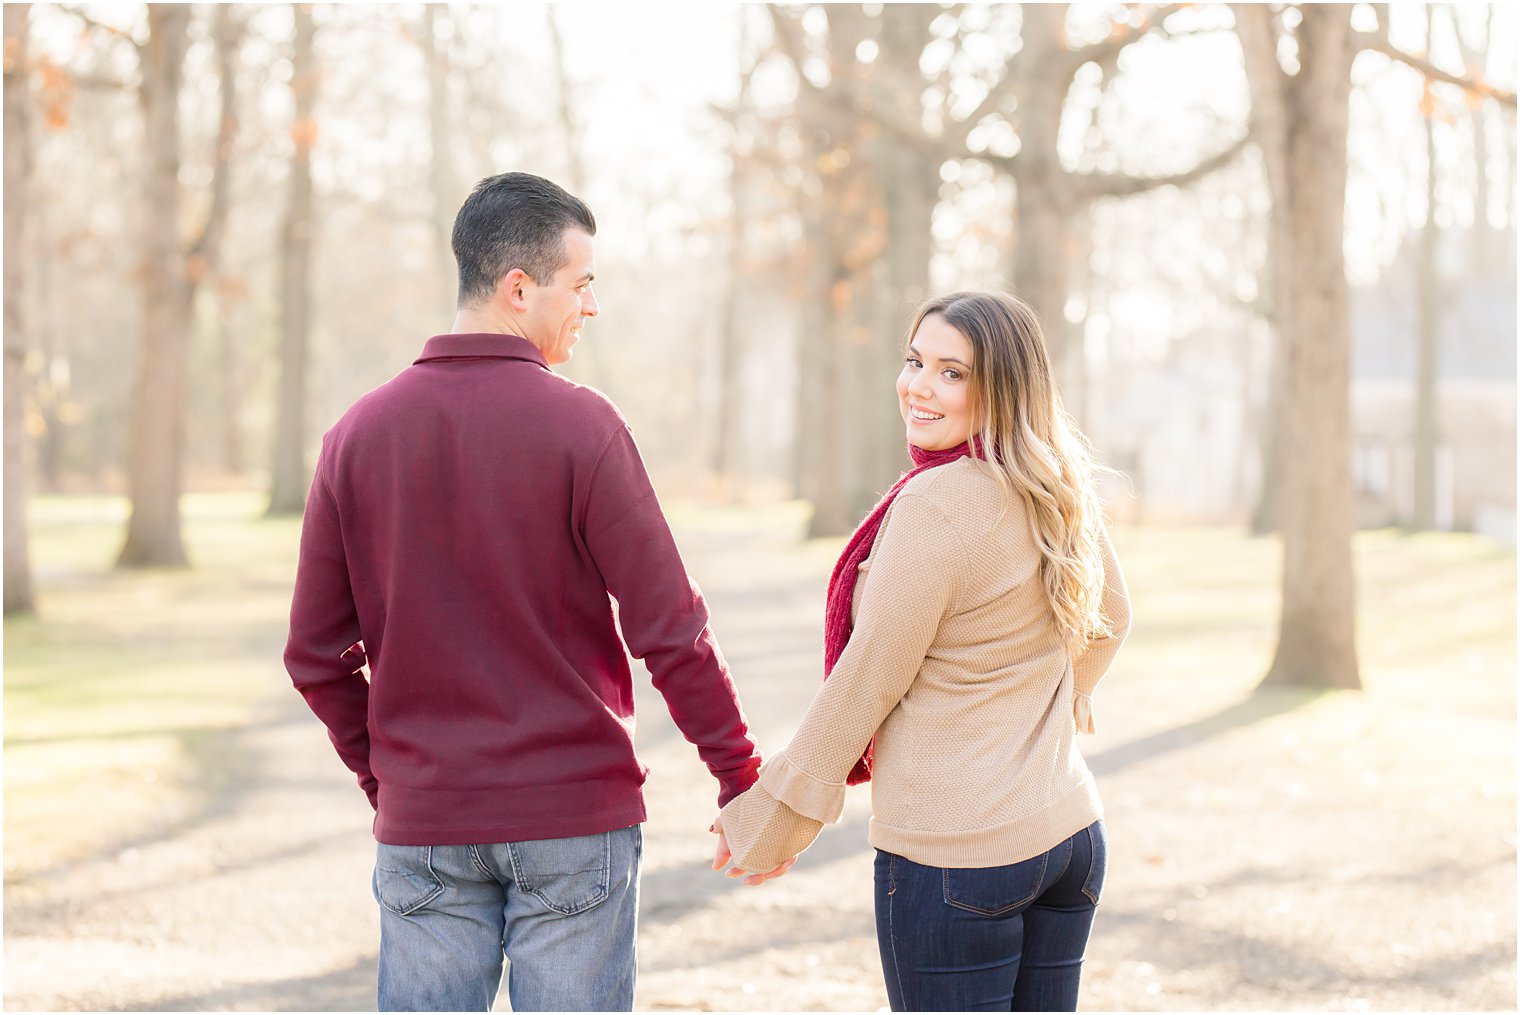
x: 466, y: 525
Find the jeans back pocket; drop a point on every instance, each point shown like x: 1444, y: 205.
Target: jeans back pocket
x: 1097, y: 839
x: 994, y: 891
x: 568, y: 875
x: 404, y: 880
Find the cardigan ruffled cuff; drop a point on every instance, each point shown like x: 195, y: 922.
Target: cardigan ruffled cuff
x: 1082, y: 708
x: 808, y: 796
x: 763, y: 833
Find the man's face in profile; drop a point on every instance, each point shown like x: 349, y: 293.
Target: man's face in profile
x: 557, y: 311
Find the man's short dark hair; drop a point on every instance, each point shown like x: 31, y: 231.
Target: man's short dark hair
x: 515, y: 220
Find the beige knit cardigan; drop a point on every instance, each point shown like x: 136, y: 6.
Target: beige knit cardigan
x: 956, y: 667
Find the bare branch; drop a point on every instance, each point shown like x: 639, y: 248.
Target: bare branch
x: 956, y: 133
x: 1007, y: 163
x: 1088, y: 186
x: 1099, y: 52
x: 1378, y: 42
x: 1066, y: 63
x: 227, y: 33
x: 791, y: 44
x: 101, y: 83
x: 100, y: 26
x: 848, y: 92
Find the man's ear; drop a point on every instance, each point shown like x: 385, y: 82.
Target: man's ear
x: 510, y: 289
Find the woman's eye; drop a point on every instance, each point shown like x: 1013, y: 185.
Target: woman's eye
x: 953, y: 375
x: 913, y: 362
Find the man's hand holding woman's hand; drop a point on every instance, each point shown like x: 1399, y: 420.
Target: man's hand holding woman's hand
x: 723, y: 856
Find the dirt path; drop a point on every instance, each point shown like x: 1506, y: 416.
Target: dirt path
x: 1277, y: 852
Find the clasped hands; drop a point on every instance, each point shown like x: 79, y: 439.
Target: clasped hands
x: 723, y: 856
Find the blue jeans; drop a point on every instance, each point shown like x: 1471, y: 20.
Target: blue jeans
x: 563, y: 911
x: 989, y: 938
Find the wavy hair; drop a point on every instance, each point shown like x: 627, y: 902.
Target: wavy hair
x: 1035, y: 450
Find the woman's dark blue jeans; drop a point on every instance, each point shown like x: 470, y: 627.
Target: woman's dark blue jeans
x: 989, y: 938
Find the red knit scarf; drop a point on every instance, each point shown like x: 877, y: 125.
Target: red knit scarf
x: 837, y: 620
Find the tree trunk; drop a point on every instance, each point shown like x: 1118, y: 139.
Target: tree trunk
x: 441, y: 173
x: 826, y: 396
x: 727, y: 450
x: 1316, y: 640
x: 910, y: 191
x: 844, y: 220
x: 229, y: 380
x: 566, y: 107
x: 728, y: 443
x: 1474, y: 61
x: 288, y: 491
x: 1271, y: 439
x: 206, y: 254
x: 18, y: 567
x: 1269, y: 126
x: 814, y: 358
x: 910, y: 181
x: 1041, y: 202
x: 1427, y: 289
x: 155, y: 470
x: 50, y: 389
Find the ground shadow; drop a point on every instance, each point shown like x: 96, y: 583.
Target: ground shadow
x: 351, y: 988
x: 1263, y: 703
x: 224, y: 771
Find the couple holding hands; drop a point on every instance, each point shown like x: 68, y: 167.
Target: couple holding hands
x: 468, y: 525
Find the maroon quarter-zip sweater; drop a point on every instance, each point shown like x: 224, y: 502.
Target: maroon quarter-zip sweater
x: 466, y: 525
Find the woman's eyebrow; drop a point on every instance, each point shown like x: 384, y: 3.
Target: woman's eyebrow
x: 942, y: 359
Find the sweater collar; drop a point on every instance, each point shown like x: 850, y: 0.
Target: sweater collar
x: 486, y: 346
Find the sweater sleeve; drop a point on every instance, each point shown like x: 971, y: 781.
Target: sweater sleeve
x: 323, y: 654
x: 1099, y: 653
x: 912, y: 586
x: 662, y: 614
x: 762, y: 832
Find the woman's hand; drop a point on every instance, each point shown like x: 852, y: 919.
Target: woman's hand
x: 723, y: 856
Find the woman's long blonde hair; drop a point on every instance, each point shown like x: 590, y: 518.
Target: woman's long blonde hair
x: 1035, y: 450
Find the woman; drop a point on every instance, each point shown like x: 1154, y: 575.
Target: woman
x: 969, y: 621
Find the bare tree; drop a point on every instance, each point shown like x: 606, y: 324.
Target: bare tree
x: 288, y: 489
x: 842, y: 354
x: 1048, y: 197
x: 565, y: 109
x: 897, y: 149
x: 1316, y: 641
x: 1427, y: 329
x: 728, y: 450
x: 1474, y: 60
x: 230, y: 299
x: 1429, y: 284
x: 1300, y: 119
x: 171, y: 271
x: 442, y: 175
x: 226, y: 32
x: 18, y: 154
x: 155, y: 470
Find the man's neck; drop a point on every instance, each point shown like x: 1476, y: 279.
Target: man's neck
x: 486, y: 320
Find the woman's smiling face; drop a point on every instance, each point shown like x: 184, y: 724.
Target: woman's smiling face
x: 934, y: 388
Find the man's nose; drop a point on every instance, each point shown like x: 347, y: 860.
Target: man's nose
x: 589, y: 306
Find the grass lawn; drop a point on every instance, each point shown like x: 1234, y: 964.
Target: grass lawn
x: 115, y: 691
